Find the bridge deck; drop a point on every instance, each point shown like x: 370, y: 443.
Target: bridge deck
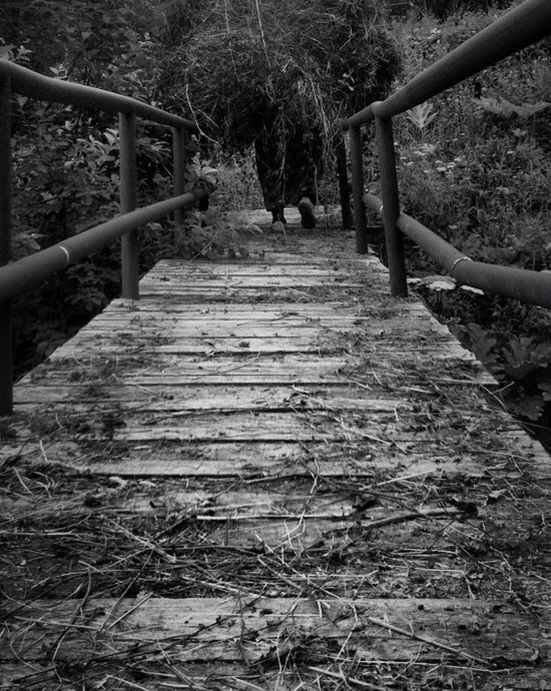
x: 266, y: 474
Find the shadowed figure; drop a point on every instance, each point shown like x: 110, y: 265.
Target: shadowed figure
x: 289, y: 167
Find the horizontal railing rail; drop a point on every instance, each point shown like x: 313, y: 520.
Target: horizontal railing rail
x: 25, y: 82
x: 533, y: 287
x: 30, y: 271
x: 519, y: 28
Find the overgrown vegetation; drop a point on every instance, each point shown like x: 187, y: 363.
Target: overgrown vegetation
x: 66, y: 159
x: 251, y: 66
x: 474, y: 167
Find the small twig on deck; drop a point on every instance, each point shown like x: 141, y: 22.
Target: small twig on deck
x: 424, y: 639
x: 127, y: 613
x: 348, y: 680
x: 77, y: 611
x: 130, y: 585
x: 21, y: 482
x: 389, y: 520
x: 148, y: 543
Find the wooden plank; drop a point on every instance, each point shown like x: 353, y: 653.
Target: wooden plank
x: 193, y: 346
x: 205, y: 320
x: 202, y: 505
x: 300, y: 366
x: 238, y: 676
x: 264, y: 310
x: 175, y: 284
x: 279, y: 376
x: 204, y: 629
x: 182, y: 399
x: 517, y: 458
x: 291, y: 426
x: 215, y: 269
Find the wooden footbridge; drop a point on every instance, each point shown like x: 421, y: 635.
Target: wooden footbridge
x: 267, y: 472
x: 255, y: 477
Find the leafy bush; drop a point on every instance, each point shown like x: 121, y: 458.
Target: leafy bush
x: 474, y: 167
x: 65, y: 159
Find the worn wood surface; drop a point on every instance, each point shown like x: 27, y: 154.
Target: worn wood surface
x: 267, y: 474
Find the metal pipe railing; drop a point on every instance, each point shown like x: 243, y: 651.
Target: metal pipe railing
x: 39, y: 87
x: 519, y: 28
x: 130, y: 246
x: 30, y: 271
x: 532, y: 287
x: 390, y: 207
x: 440, y: 250
x: 356, y: 163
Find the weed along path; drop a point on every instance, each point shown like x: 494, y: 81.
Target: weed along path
x: 267, y: 474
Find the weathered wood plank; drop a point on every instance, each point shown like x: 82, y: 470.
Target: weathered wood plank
x: 517, y: 459
x: 102, y: 344
x: 204, y: 629
x: 199, y: 397
x: 264, y: 310
x: 176, y: 285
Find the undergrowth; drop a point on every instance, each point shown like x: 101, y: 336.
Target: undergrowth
x: 474, y: 167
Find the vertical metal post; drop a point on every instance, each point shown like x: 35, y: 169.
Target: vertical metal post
x: 344, y: 189
x: 391, y: 207
x: 130, y: 250
x: 179, y: 159
x: 6, y: 346
x: 358, y: 189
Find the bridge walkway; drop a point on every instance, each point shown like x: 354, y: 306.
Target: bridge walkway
x: 267, y: 474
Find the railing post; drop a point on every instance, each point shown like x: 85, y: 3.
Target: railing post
x: 358, y: 189
x: 130, y: 251
x: 344, y: 189
x: 179, y: 165
x: 6, y: 346
x: 391, y: 207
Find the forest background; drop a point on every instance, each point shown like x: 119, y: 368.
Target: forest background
x: 474, y: 164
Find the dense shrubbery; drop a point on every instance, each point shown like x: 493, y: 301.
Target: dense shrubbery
x: 441, y: 9
x: 65, y: 160
x: 474, y: 167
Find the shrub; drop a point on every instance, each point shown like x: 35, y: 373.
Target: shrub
x: 474, y: 167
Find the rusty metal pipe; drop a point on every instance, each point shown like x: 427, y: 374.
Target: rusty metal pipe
x: 130, y: 247
x: 6, y: 345
x: 391, y: 207
x: 517, y: 29
x: 32, y: 270
x: 532, y: 287
x: 37, y: 86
